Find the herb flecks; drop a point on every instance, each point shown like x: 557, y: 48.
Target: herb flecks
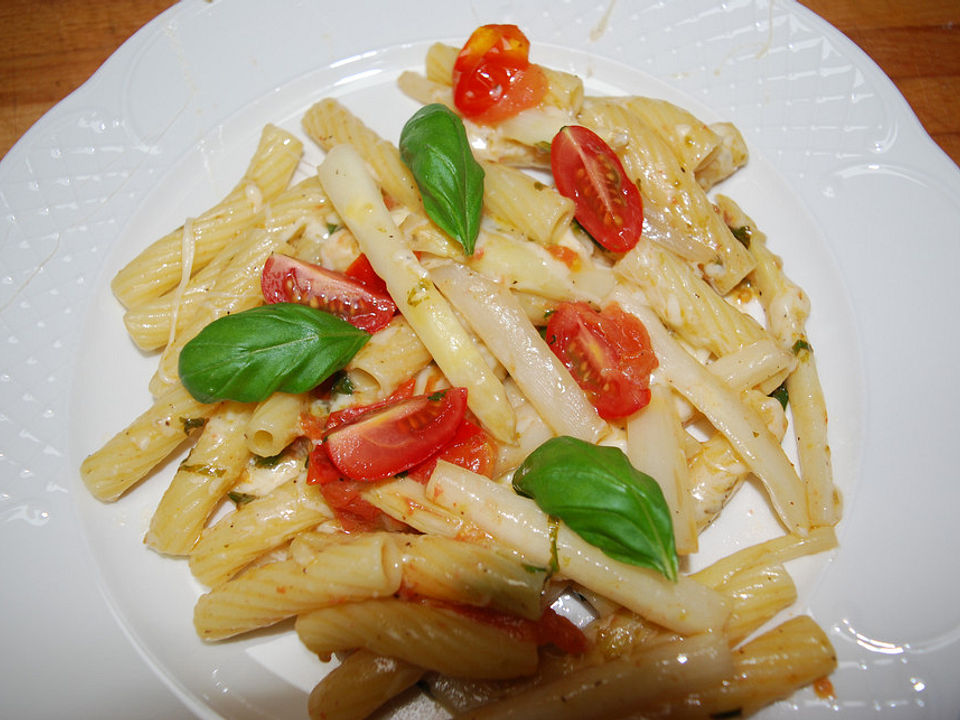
x: 191, y: 424
x: 743, y: 234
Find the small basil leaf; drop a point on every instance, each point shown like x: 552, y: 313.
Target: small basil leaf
x: 249, y: 355
x: 604, y: 499
x: 434, y: 145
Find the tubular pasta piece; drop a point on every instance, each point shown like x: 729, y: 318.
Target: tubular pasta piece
x: 131, y: 454
x: 201, y: 481
x: 352, y: 569
x: 435, y: 638
x: 256, y: 528
x: 359, y: 685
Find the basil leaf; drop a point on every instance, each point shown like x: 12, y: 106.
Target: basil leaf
x: 434, y: 145
x: 249, y: 355
x: 604, y: 499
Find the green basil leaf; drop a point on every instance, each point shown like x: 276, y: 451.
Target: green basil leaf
x: 604, y: 499
x: 434, y: 145
x: 249, y: 355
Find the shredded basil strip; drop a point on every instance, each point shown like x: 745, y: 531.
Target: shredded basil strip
x: 434, y: 145
x: 604, y: 499
x: 250, y: 355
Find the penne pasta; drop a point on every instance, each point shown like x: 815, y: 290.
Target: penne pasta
x: 201, y: 482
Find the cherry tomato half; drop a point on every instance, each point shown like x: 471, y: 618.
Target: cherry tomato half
x: 492, y: 76
x: 390, y: 439
x: 586, y: 170
x: 608, y: 353
x: 286, y: 279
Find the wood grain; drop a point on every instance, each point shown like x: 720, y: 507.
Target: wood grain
x: 48, y: 48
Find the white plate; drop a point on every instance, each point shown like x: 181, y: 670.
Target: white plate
x: 862, y: 205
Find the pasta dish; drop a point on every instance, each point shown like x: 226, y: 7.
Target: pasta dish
x: 462, y: 402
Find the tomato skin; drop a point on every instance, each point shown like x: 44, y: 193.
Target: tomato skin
x: 362, y: 271
x: 471, y: 448
x: 354, y: 513
x: 286, y: 279
x: 586, y: 170
x: 352, y: 413
x: 320, y: 469
x: 392, y: 438
x: 608, y: 353
x: 492, y: 76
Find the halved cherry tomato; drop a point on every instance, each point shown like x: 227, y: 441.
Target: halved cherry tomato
x: 492, y: 76
x: 286, y: 279
x: 471, y: 448
x: 608, y: 353
x: 388, y: 440
x: 586, y: 170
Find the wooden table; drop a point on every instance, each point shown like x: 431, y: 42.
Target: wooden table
x: 50, y: 47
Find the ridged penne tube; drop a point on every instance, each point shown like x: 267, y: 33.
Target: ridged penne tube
x: 655, y: 447
x: 461, y: 572
x: 275, y: 423
x: 727, y: 157
x: 360, y: 684
x: 391, y: 356
x: 149, y: 323
x: 684, y: 606
x: 756, y: 595
x: 159, y: 268
x: 525, y: 203
x: 255, y: 528
x: 329, y: 123
x: 131, y: 454
x: 770, y: 552
x: 432, y: 637
x: 360, y: 205
x: 685, y: 302
x: 696, y: 231
x: 367, y: 566
x: 691, y: 140
x: 201, y: 481
x: 741, y: 425
x: 499, y: 320
x: 787, y: 308
x: 619, y: 687
x: 769, y: 668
